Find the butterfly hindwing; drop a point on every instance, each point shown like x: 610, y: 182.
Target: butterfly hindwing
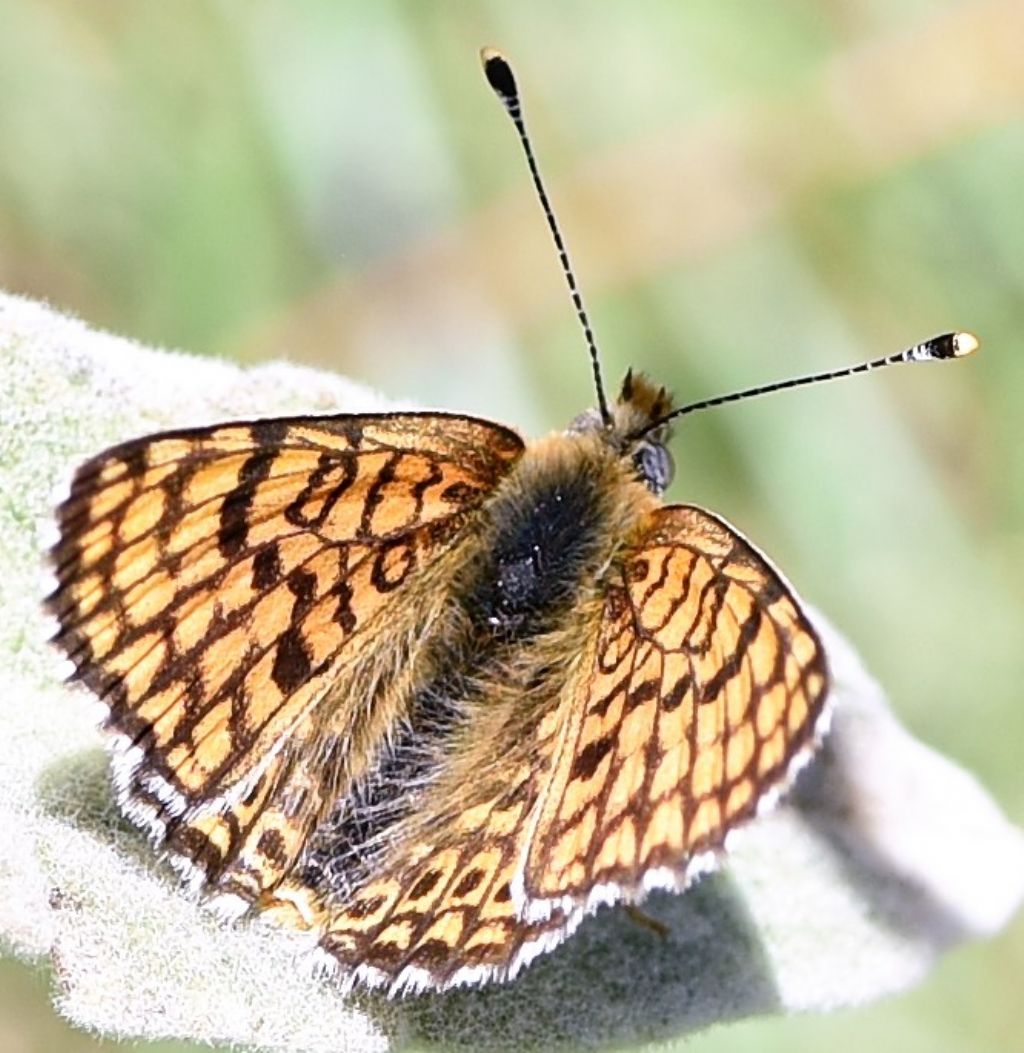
x: 442, y: 912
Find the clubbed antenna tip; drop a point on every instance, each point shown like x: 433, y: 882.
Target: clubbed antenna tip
x: 949, y: 345
x: 938, y: 349
x: 499, y: 75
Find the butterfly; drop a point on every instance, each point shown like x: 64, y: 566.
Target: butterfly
x: 427, y: 691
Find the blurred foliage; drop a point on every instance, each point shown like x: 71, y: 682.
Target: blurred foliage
x: 749, y: 191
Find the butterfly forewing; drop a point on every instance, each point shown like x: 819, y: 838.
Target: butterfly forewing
x: 707, y: 684
x: 216, y: 585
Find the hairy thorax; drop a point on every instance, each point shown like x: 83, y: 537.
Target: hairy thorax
x: 551, y: 528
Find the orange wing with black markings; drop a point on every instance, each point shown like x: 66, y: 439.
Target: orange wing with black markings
x: 693, y: 688
x: 442, y: 912
x: 216, y: 585
x: 707, y: 686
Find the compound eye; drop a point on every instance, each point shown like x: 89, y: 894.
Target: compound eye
x: 654, y: 465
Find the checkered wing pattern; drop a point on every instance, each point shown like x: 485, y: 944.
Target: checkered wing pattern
x: 217, y: 588
x: 443, y: 911
x: 706, y: 688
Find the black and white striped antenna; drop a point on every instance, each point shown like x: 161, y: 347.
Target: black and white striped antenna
x: 501, y: 78
x: 938, y: 349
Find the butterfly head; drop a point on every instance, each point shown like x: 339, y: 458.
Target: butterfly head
x: 639, y: 405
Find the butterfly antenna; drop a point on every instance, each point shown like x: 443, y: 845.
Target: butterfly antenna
x: 937, y: 349
x: 502, y: 80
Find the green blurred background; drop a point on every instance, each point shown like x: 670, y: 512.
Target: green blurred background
x: 749, y: 191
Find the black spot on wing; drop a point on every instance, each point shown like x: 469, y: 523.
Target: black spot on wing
x: 302, y: 585
x: 266, y: 568
x: 292, y: 666
x: 591, y: 756
x: 234, y: 512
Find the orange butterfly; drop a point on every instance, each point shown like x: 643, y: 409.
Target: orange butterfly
x: 425, y: 690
